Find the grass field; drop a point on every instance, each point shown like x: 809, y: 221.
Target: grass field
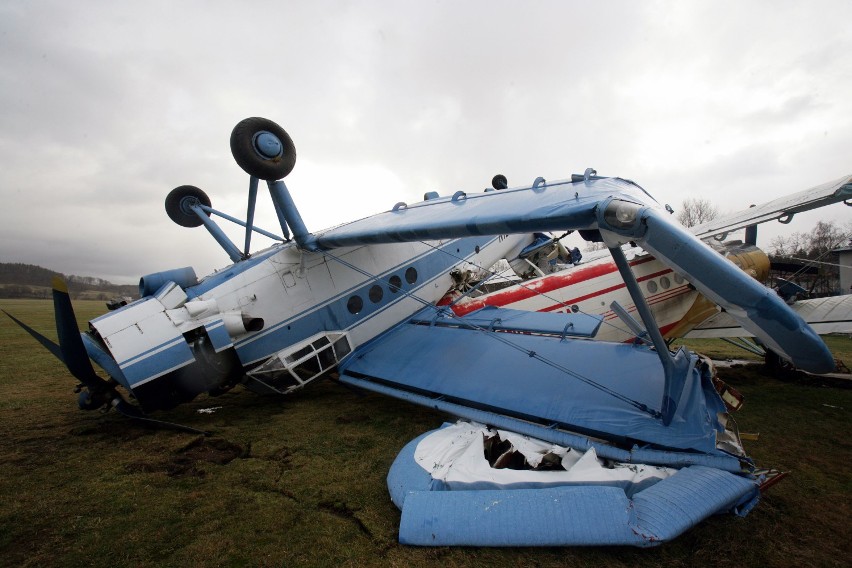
x: 301, y: 480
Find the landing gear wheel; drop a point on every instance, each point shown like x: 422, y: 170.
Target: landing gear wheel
x: 179, y: 204
x: 499, y: 182
x: 263, y: 149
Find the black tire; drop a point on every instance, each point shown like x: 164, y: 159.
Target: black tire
x: 249, y: 158
x: 499, y: 182
x: 178, y: 203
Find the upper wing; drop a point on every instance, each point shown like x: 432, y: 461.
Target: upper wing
x: 549, y: 207
x: 824, y: 315
x: 781, y: 209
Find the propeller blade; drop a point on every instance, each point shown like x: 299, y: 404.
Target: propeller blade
x: 74, y: 353
x: 47, y: 343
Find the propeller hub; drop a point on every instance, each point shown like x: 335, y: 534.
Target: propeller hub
x: 268, y: 145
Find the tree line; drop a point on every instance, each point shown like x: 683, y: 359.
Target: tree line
x: 20, y: 280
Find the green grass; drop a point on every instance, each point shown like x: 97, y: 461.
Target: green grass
x: 301, y: 480
x: 839, y: 344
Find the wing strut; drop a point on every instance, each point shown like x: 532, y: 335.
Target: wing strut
x: 672, y: 391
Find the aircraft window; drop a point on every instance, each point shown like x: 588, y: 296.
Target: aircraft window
x: 665, y: 282
x: 652, y: 286
x: 299, y: 354
x: 376, y: 294
x: 355, y: 305
x: 341, y: 347
x: 326, y: 358
x: 678, y: 278
x: 395, y: 284
x: 411, y: 275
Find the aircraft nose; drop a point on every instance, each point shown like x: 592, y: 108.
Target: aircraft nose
x: 268, y: 145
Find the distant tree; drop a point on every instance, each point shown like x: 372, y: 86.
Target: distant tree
x: 813, y: 249
x: 28, y: 279
x: 696, y: 210
x: 592, y: 246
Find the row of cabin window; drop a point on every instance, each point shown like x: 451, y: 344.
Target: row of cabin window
x: 665, y: 283
x: 376, y: 292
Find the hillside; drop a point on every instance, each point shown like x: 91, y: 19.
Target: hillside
x: 18, y: 280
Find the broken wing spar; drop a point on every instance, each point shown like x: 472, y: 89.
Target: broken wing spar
x: 624, y: 212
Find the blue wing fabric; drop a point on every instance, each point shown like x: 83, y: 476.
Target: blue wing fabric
x: 556, y: 207
x: 608, y: 390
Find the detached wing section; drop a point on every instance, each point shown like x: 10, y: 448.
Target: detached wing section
x: 781, y: 209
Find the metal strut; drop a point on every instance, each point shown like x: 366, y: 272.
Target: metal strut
x: 670, y: 366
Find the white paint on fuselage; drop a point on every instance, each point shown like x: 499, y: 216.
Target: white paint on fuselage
x: 297, y: 289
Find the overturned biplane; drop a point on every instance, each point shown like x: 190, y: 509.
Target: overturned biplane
x: 360, y: 299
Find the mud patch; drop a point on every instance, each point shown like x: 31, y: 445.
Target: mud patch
x: 190, y: 460
x: 342, y: 510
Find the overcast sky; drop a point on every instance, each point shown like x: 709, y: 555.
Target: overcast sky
x: 107, y: 106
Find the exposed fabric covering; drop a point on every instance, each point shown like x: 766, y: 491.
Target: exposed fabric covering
x: 455, y: 455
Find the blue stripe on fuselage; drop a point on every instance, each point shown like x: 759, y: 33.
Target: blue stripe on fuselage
x: 173, y: 355
x: 333, y: 314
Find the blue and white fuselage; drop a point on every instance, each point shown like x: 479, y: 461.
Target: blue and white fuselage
x: 189, y: 338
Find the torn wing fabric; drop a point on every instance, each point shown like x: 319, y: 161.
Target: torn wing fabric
x: 455, y: 455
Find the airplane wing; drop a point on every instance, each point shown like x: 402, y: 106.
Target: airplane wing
x: 551, y: 207
x: 781, y: 209
x: 623, y: 212
x: 824, y: 315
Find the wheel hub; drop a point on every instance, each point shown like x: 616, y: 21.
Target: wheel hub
x: 267, y: 145
x: 187, y: 203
